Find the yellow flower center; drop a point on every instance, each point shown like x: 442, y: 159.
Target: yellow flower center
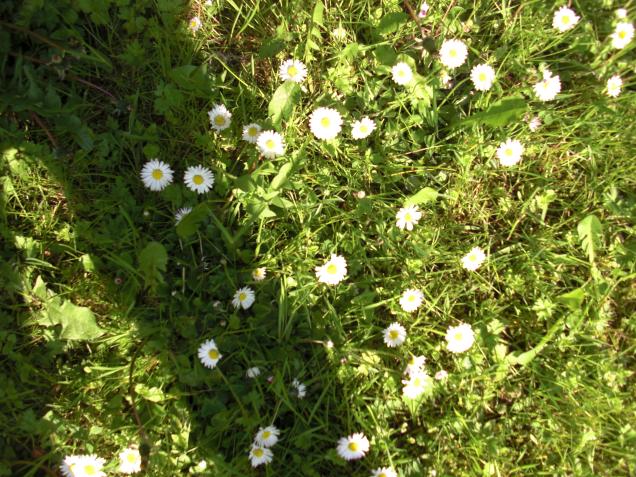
x: 508, y: 152
x: 622, y: 34
x: 382, y: 475
x: 353, y: 446
x: 411, y: 297
x: 472, y: 257
x: 258, y: 452
x: 325, y: 122
x: 266, y: 434
x: 332, y: 269
x: 482, y: 77
x: 408, y: 217
x: 292, y: 71
x: 213, y: 354
x: 417, y: 381
x: 242, y: 296
x: 193, y: 23
x: 132, y: 458
x: 565, y: 19
x: 458, y: 336
x: 269, y: 144
x: 219, y: 120
x: 401, y: 73
x: 252, y: 131
x: 157, y: 174
x: 452, y: 53
x: 90, y: 469
x: 546, y: 84
x: 197, y: 179
x: 393, y: 334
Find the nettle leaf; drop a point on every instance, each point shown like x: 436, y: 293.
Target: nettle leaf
x: 590, y: 233
x: 500, y: 113
x: 189, y: 225
x: 153, y: 260
x: 283, y: 100
x: 422, y: 197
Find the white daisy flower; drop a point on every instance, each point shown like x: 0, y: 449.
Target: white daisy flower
x: 415, y: 365
x: 353, y: 447
x: 339, y: 34
x: 394, y: 335
x: 333, y: 271
x: 402, y: 73
x: 453, y: 53
x: 271, y: 144
x: 220, y: 117
x: 293, y: 70
x: 243, y: 298
x: 621, y: 13
x: 407, y: 217
x: 384, y: 472
x: 194, y: 24
x: 84, y: 466
x: 209, y: 354
x: 623, y: 34
x: 459, y: 338
x: 325, y: 123
x: 548, y: 87
x: 509, y: 153
x: 534, y: 123
x: 423, y: 10
x: 301, y: 389
x: 251, y: 132
x: 266, y: 436
x: 253, y: 372
x: 416, y: 385
x: 181, y: 213
x: 129, y: 461
x: 259, y: 274
x: 156, y: 175
x: 482, y: 77
x: 198, y: 179
x: 614, y: 85
x: 411, y: 300
x: 441, y: 375
x: 363, y: 128
x: 473, y: 259
x: 260, y: 455
x: 68, y: 465
x: 565, y: 19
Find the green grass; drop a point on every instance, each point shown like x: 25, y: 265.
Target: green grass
x: 99, y: 340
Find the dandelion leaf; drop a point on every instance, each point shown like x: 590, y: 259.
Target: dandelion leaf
x: 590, y: 230
x: 499, y: 113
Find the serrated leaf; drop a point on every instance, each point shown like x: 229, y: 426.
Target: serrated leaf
x: 423, y: 196
x: 153, y: 260
x: 283, y: 100
x: 78, y: 322
x: 500, y: 113
x: 573, y: 299
x: 189, y: 225
x: 391, y: 22
x: 590, y: 232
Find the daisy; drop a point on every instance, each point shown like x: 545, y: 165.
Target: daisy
x: 293, y: 70
x: 423, y: 10
x: 220, y: 117
x: 156, y: 175
x: 209, y: 354
x: 459, y: 338
x: 253, y: 372
x: 325, y: 123
x: 363, y: 128
x: 198, y: 179
x: 621, y: 13
x: 333, y: 271
x: 473, y: 259
x: 415, y: 365
x: 251, y: 132
x: 301, y: 389
x: 509, y: 153
x: 406, y: 217
x: 384, y: 472
x: 339, y: 34
x: 243, y: 298
x: 622, y: 35
x: 441, y: 375
x: 258, y: 275
x: 534, y: 123
x: 260, y: 455
x: 353, y: 447
x: 565, y: 19
x: 482, y: 77
x: 68, y: 465
x: 614, y: 85
x: 83, y: 466
x: 453, y: 53
x: 411, y: 300
x: 402, y: 73
x: 194, y: 24
x: 394, y: 335
x: 271, y: 144
x: 266, y: 436
x: 181, y: 213
x: 416, y: 385
x: 129, y: 461
x: 548, y: 87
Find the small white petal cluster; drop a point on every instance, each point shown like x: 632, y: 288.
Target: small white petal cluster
x: 325, y: 123
x: 473, y: 259
x: 353, y: 447
x: 181, y: 213
x: 253, y: 372
x: 394, y: 335
x: 220, y: 117
x: 300, y: 388
x: 548, y: 88
x: 441, y: 375
x: 459, y: 338
x: 209, y: 354
x: 614, y: 85
x: 411, y: 300
x: 415, y: 365
x: 534, y: 123
x: 130, y: 461
x: 251, y: 132
x: 509, y: 152
x: 271, y: 144
x: 453, y: 53
x: 362, y: 128
x: 424, y: 8
x: 260, y: 452
x: 623, y: 34
x: 156, y: 175
x: 417, y: 384
x: 565, y: 19
x: 407, y: 217
x: 482, y: 77
x: 259, y: 274
x: 384, y: 472
x: 333, y: 271
x: 402, y: 73
x: 199, y: 179
x: 293, y: 70
x: 243, y: 298
x: 194, y: 24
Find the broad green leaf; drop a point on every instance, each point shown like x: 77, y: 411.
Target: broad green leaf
x: 590, y: 233
x: 152, y: 394
x: 385, y: 55
x: 573, y: 299
x: 500, y: 113
x: 192, y: 78
x: 282, y: 176
x: 189, y: 225
x: 423, y: 196
x: 283, y: 100
x: 153, y: 260
x: 391, y: 22
x: 78, y: 322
